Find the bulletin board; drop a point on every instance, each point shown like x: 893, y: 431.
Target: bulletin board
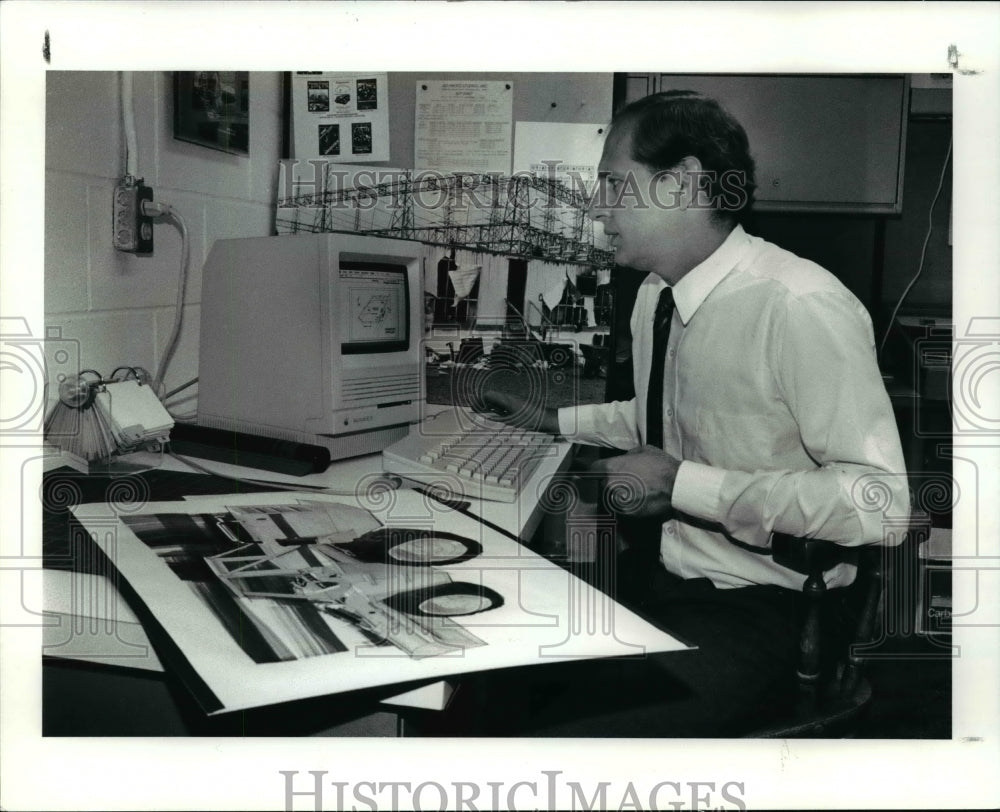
x: 537, y: 97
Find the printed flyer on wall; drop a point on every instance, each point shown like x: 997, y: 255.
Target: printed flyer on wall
x: 463, y: 126
x: 343, y: 117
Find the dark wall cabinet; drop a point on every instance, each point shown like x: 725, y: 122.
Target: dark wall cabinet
x: 822, y: 143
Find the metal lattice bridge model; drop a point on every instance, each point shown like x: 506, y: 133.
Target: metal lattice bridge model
x: 521, y: 215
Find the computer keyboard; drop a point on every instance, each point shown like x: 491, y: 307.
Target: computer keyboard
x: 469, y: 455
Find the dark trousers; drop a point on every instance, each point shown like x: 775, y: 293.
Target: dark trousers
x: 742, y: 671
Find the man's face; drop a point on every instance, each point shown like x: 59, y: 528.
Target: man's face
x: 640, y: 210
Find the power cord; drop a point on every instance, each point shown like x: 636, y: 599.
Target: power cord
x: 167, y: 212
x: 175, y: 391
x: 180, y: 388
x: 923, y: 254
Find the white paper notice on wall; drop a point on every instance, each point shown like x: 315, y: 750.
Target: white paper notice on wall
x: 562, y: 151
x: 463, y: 125
x: 566, y: 153
x: 340, y: 116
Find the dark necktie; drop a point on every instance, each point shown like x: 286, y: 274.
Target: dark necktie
x: 639, y: 539
x: 654, y: 396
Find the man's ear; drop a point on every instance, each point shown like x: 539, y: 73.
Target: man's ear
x: 689, y: 173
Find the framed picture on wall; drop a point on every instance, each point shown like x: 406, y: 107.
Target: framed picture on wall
x: 212, y: 109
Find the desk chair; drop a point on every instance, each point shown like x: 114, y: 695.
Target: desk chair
x: 829, y: 694
x: 833, y: 693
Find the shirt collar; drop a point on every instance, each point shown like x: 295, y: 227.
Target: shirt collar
x: 702, y: 279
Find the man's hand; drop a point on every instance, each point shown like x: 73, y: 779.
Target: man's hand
x: 639, y: 483
x: 521, y: 412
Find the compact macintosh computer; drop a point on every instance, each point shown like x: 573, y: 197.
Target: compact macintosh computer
x: 313, y: 338
x: 316, y: 339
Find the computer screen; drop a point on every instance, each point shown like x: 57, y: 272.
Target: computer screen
x: 314, y: 338
x: 376, y: 308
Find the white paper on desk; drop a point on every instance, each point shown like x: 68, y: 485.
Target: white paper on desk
x: 546, y: 615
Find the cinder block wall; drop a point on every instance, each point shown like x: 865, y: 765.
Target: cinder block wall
x: 119, y: 308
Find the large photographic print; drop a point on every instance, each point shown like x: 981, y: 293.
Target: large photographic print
x: 266, y: 598
x: 295, y: 581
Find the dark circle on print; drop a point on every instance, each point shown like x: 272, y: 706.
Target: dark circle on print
x: 377, y: 546
x: 446, y: 600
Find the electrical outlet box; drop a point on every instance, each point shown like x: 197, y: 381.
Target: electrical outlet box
x: 132, y: 231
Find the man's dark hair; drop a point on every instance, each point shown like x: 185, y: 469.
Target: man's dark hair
x: 667, y: 127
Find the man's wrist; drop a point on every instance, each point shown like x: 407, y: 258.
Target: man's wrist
x: 550, y: 421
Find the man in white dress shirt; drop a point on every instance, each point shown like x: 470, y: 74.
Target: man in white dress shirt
x: 774, y: 420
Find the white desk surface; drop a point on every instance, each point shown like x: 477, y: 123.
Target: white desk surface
x: 519, y: 518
